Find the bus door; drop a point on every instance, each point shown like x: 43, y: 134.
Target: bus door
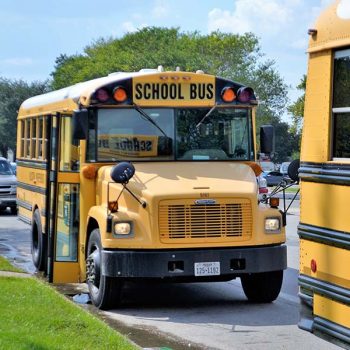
x: 64, y: 202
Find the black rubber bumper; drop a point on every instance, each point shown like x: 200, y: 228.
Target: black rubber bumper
x: 177, y: 264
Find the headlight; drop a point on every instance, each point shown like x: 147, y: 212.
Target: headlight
x: 272, y: 225
x: 122, y: 228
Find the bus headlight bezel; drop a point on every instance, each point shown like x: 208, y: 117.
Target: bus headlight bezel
x: 273, y: 225
x: 123, y: 229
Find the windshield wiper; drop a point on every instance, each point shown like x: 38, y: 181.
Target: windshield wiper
x: 206, y: 116
x: 148, y: 118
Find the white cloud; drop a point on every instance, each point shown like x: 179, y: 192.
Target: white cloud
x: 343, y: 9
x: 17, y: 61
x: 128, y: 27
x: 160, y: 10
x: 266, y: 16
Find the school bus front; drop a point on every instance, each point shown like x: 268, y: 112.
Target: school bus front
x: 162, y: 184
x: 190, y: 212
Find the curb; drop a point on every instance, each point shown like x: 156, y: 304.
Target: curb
x: 14, y: 274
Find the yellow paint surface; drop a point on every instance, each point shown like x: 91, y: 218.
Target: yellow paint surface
x: 332, y: 310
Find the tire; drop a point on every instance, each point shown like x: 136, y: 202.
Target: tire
x: 14, y: 210
x: 262, y: 287
x: 105, y: 292
x: 39, y: 243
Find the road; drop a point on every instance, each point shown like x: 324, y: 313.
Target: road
x: 196, y: 316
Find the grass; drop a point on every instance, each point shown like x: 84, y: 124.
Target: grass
x: 6, y: 266
x: 292, y: 189
x: 34, y: 316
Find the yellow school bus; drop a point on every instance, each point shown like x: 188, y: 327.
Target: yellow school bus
x: 324, y: 228
x: 148, y: 175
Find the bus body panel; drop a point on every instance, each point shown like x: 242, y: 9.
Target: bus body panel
x: 316, y: 126
x: 331, y: 263
x: 324, y: 227
x: 163, y: 190
x: 320, y: 198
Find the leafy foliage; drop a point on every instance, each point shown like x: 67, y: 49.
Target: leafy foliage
x: 232, y: 56
x: 297, y: 108
x: 13, y: 93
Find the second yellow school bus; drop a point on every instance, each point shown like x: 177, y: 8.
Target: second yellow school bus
x: 324, y: 228
x: 145, y: 175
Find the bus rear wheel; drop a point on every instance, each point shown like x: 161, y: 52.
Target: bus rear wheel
x: 262, y: 287
x: 105, y: 292
x: 39, y: 243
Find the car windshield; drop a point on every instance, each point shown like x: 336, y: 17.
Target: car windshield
x: 5, y: 168
x: 171, y: 134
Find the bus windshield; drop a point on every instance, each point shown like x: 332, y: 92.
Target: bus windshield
x: 171, y: 134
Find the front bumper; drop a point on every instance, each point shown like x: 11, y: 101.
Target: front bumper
x: 8, y: 202
x: 179, y: 264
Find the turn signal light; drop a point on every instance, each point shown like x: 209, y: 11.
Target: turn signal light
x: 113, y: 206
x: 227, y: 94
x: 89, y: 172
x: 119, y: 94
x: 274, y: 202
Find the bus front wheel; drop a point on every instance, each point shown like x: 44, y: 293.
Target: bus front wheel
x: 262, y: 287
x: 39, y: 243
x: 104, y: 291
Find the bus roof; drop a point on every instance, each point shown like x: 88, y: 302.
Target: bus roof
x: 332, y: 28
x: 66, y: 97
x: 80, y: 95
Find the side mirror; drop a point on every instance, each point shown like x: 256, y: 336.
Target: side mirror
x: 267, y: 139
x: 122, y: 172
x: 80, y: 124
x: 293, y: 170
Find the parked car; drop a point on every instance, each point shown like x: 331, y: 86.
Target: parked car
x: 8, y: 186
x: 14, y: 167
x: 274, y: 178
x: 284, y: 168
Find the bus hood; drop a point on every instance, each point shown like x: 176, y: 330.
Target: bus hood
x: 182, y: 179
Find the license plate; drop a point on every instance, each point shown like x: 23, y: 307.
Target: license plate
x: 207, y: 268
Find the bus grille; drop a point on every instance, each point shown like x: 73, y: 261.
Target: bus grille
x: 212, y: 223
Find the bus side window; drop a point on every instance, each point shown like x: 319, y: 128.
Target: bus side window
x: 341, y: 105
x: 69, y: 150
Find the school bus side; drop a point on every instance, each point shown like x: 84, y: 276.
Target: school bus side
x: 324, y: 228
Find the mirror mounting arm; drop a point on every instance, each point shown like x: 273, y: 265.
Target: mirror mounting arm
x: 142, y: 203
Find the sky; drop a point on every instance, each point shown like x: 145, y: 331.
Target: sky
x: 33, y: 33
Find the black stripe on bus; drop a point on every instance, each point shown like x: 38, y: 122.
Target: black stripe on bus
x: 32, y: 188
x: 29, y: 206
x: 322, y: 235
x: 335, y: 173
x: 332, y: 329
x: 326, y: 289
x: 32, y: 164
x: 24, y: 204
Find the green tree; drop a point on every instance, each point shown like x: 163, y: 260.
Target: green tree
x: 297, y: 108
x: 13, y: 93
x: 232, y: 56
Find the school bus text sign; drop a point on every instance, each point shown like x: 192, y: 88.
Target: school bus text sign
x: 116, y: 145
x: 176, y: 90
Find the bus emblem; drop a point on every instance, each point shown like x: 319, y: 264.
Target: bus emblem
x: 205, y: 201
